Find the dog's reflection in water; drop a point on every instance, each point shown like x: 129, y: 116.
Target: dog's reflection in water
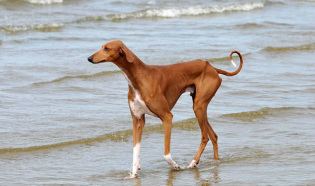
x: 210, y: 177
x: 196, y: 173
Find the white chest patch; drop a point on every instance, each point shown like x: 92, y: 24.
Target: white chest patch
x: 137, y: 105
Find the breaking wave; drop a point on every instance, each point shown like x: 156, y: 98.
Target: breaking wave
x: 39, y: 2
x: 44, y: 2
x: 141, y: 14
x: 189, y: 11
x: 175, y: 12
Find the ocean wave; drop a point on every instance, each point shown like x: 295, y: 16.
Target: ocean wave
x: 218, y: 59
x: 252, y: 25
x: 189, y: 11
x: 108, y: 73
x: 245, y: 154
x: 141, y: 14
x: 36, y: 2
x: 52, y: 27
x: 189, y: 124
x: 310, y: 90
x: 225, y: 59
x: 117, y: 136
x: 82, y: 77
x: 262, y: 113
x: 304, y: 47
x: 92, y: 18
x: 44, y: 2
x: 174, y: 12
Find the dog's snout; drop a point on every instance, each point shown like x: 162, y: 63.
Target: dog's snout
x: 90, y: 59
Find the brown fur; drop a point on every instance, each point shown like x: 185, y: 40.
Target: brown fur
x: 161, y: 86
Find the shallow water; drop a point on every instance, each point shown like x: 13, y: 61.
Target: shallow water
x: 65, y: 121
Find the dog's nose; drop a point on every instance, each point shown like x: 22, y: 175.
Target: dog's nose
x: 90, y: 59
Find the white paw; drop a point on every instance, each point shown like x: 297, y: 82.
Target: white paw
x: 192, y: 164
x: 171, y: 162
x: 135, y: 169
x: 131, y: 176
x: 175, y: 166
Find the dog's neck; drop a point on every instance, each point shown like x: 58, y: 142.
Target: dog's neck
x: 131, y: 69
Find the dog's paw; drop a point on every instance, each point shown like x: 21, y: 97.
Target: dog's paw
x: 171, y: 162
x: 131, y: 176
x: 193, y: 164
x: 176, y: 167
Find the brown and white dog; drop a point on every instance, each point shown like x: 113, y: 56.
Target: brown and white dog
x: 155, y: 89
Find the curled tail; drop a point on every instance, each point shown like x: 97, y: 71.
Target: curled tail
x: 220, y: 71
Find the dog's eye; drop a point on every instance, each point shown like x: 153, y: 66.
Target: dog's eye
x: 106, y: 48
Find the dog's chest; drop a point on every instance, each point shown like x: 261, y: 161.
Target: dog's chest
x: 138, y: 106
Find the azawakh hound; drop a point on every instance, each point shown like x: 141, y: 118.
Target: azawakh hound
x: 155, y: 89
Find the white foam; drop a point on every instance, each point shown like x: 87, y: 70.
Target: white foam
x: 44, y: 1
x: 190, y: 11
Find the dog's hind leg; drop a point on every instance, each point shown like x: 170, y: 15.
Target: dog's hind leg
x: 204, y: 138
x: 203, y: 95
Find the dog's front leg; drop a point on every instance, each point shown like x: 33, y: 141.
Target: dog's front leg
x: 138, y: 124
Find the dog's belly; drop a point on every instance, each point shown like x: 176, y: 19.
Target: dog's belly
x: 138, y: 106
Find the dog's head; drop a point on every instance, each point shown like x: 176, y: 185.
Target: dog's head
x: 111, y: 52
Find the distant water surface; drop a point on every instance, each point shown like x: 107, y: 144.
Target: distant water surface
x: 66, y: 121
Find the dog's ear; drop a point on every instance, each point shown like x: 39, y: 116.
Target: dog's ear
x: 127, y: 53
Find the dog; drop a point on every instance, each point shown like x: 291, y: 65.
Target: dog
x: 155, y: 89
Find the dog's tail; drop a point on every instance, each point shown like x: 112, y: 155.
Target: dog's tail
x: 220, y: 71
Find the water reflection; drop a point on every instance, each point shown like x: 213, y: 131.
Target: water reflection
x: 201, y: 176
x: 197, y: 175
x: 137, y: 182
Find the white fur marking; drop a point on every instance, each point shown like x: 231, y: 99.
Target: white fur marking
x: 136, y: 159
x: 233, y: 63
x: 137, y: 105
x: 171, y: 162
x: 192, y: 164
